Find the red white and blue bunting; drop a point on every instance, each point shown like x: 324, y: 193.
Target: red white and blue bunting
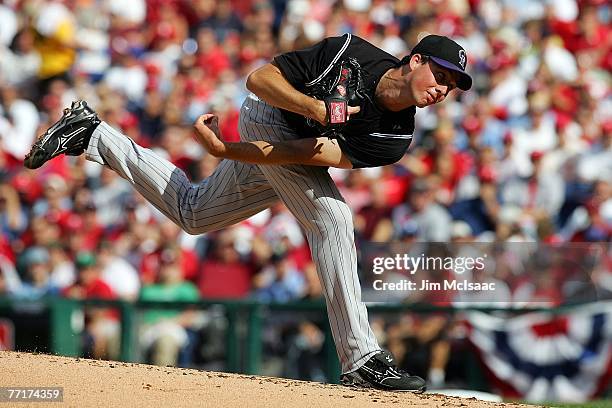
x: 546, y: 357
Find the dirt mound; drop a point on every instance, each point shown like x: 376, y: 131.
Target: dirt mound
x: 89, y: 383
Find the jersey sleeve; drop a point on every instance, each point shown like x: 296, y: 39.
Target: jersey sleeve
x: 303, y: 66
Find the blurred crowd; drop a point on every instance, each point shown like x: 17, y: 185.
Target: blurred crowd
x: 525, y: 156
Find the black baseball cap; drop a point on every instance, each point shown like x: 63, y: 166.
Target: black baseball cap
x: 447, y: 53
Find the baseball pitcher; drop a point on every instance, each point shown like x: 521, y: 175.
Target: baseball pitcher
x: 341, y: 103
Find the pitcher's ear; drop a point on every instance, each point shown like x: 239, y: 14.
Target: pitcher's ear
x: 405, y: 60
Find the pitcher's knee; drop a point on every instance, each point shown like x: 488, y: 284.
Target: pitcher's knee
x: 188, y: 215
x: 192, y: 228
x: 332, y: 224
x: 197, y: 226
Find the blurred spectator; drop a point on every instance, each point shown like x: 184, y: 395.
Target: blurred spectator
x: 312, y: 285
x: 224, y: 21
x: 305, y: 353
x: 101, y: 329
x: 511, y: 163
x: 10, y: 278
x: 481, y: 212
x: 55, y: 202
x: 130, y: 13
x: 36, y: 281
x: 279, y: 281
x: 165, y: 332
x: 13, y: 216
x: 541, y: 195
x: 596, y: 162
x: 592, y: 220
x: 63, y: 272
x: 420, y: 345
x: 109, y: 197
x: 538, y: 133
x: 19, y: 60
x: 85, y: 232
x: 461, y: 232
x: 128, y: 76
x: 167, y: 236
x: 539, y: 291
x: 432, y: 220
x: 18, y: 123
x: 222, y: 266
x: 43, y: 231
x: 355, y: 189
x: 282, y: 234
x: 9, y: 21
x: 56, y: 41
x: 150, y: 116
x: 372, y: 222
x: 569, y: 145
x: 117, y: 273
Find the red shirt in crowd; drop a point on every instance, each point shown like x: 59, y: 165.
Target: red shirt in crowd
x: 149, y: 265
x: 98, y: 289
x: 223, y: 280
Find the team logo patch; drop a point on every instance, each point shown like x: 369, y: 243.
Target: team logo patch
x: 462, y: 59
x: 337, y: 112
x: 341, y: 90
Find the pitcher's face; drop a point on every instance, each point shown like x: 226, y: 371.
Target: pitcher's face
x: 431, y: 83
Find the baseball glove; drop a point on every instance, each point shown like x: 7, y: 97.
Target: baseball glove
x: 340, y: 88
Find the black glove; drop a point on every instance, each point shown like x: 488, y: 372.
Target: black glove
x: 340, y: 88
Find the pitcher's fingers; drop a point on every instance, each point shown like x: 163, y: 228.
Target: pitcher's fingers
x: 352, y: 110
x: 204, y: 122
x: 206, y: 118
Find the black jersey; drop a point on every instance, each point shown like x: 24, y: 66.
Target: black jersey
x: 374, y: 136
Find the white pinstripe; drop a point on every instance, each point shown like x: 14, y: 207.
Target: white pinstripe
x: 235, y: 191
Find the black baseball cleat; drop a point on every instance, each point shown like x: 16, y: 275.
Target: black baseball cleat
x: 380, y: 372
x: 69, y: 135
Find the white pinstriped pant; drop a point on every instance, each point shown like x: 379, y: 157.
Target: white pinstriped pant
x: 236, y: 191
